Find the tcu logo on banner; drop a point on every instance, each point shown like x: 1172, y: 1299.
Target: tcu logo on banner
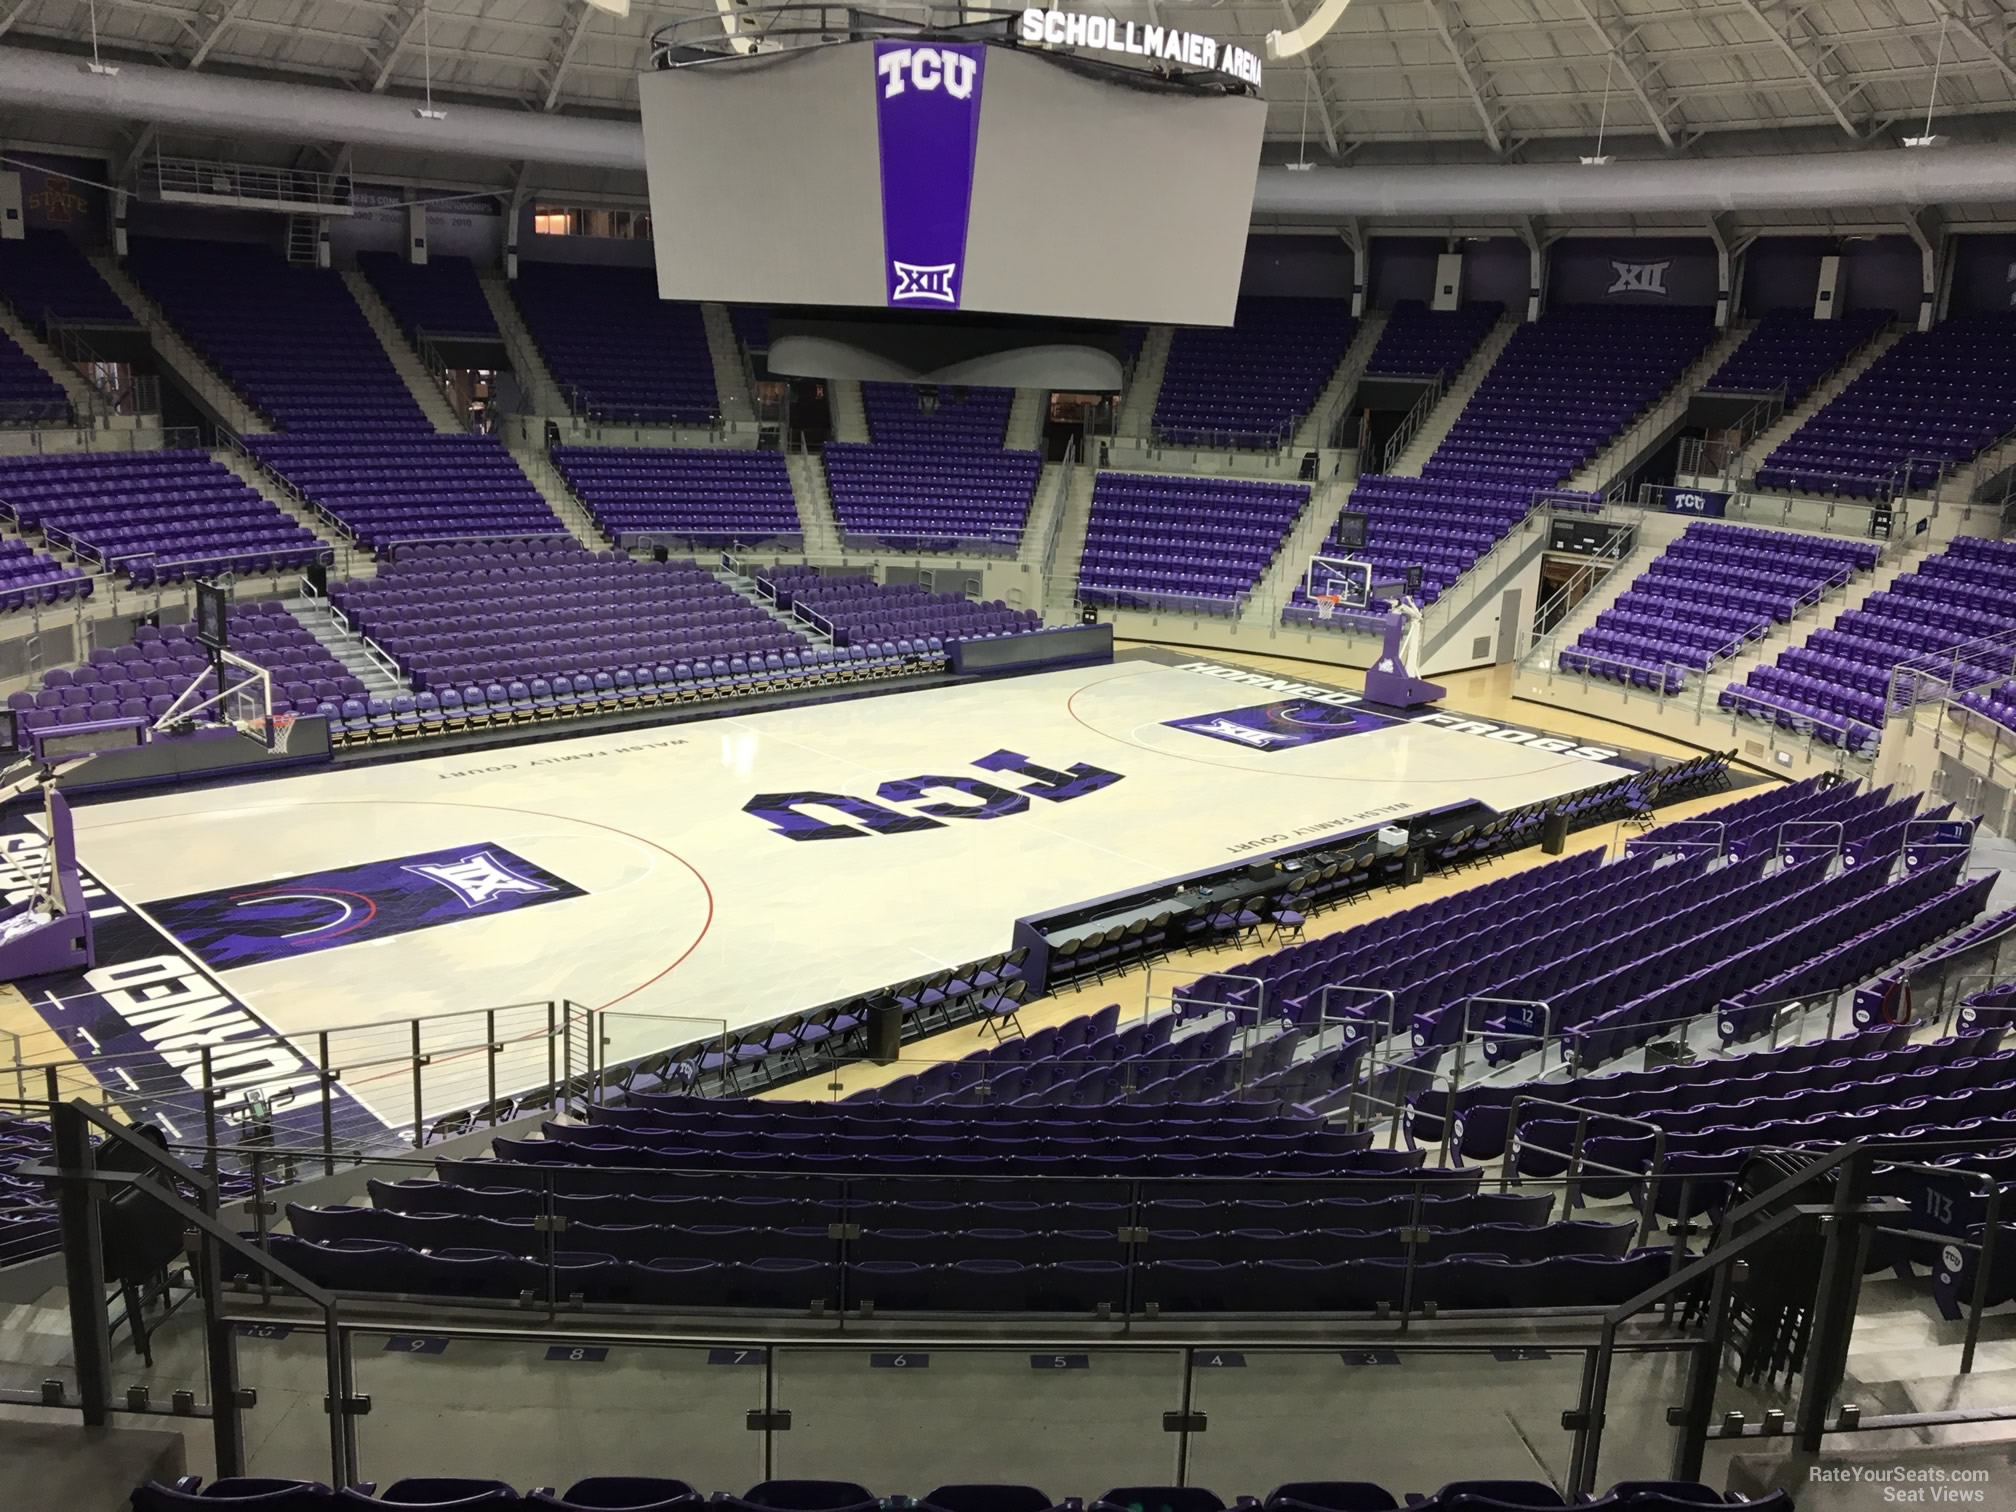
x: 927, y: 118
x: 926, y: 68
x: 1639, y: 278
x: 1696, y: 501
x: 784, y: 812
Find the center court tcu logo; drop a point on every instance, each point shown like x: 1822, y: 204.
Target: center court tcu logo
x: 1640, y: 278
x: 985, y: 800
x: 478, y: 879
x: 927, y: 119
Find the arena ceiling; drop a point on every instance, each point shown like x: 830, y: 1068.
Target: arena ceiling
x: 1483, y: 77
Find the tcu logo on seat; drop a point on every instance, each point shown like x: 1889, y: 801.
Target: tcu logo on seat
x: 926, y: 69
x: 984, y: 800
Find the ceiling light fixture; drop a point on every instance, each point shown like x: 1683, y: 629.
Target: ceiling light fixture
x: 1602, y: 159
x: 96, y: 65
x: 1928, y: 139
x: 427, y: 112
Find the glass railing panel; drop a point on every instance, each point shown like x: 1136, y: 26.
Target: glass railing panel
x: 1073, y: 1419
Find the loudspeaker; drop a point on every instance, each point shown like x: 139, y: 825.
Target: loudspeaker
x: 552, y: 435
x: 885, y: 1030
x: 1088, y: 616
x: 318, y: 578
x: 1554, y: 834
x: 660, y: 554
x: 1414, y: 865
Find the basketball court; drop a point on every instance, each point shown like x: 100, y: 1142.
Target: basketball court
x: 700, y: 878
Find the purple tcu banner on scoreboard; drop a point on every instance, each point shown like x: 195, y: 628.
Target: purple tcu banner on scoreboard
x: 1281, y: 726
x: 278, y: 920
x: 927, y: 117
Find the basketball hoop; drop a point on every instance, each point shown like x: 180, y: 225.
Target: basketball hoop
x: 1326, y: 605
x: 273, y: 732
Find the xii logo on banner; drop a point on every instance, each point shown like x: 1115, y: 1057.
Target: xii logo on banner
x: 927, y: 120
x: 1639, y: 278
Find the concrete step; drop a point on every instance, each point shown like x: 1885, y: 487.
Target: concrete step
x: 202, y: 380
x: 553, y: 488
x: 816, y: 519
x: 1782, y: 638
x: 1661, y: 418
x: 1137, y: 406
x: 731, y: 382
x: 356, y: 563
x: 1025, y: 419
x: 428, y: 394
x: 1316, y: 426
x: 1043, y: 508
x: 84, y: 399
x: 1304, y: 539
x: 1063, y: 582
x: 1775, y: 435
x: 849, y: 410
x: 318, y: 618
x: 535, y: 380
x: 1449, y: 408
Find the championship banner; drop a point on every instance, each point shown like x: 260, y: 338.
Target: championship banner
x: 927, y: 118
x: 278, y: 920
x: 1703, y: 502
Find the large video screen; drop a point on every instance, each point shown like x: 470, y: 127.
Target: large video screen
x: 931, y: 176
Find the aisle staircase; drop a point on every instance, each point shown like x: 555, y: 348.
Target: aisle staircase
x: 203, y: 382
x: 1776, y: 434
x: 318, y: 618
x: 1025, y: 419
x: 731, y: 381
x: 421, y: 384
x: 553, y: 488
x: 535, y: 380
x: 1137, y: 406
x: 1063, y: 584
x: 1315, y: 428
x: 1660, y: 419
x: 849, y: 411
x: 1305, y: 538
x: 1450, y: 406
x: 83, y: 398
x: 287, y: 502
x: 821, y: 527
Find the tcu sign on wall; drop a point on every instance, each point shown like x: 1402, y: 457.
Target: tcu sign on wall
x: 786, y: 812
x: 1703, y: 502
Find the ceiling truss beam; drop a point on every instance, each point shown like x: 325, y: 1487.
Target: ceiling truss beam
x: 1313, y: 82
x: 1639, y: 68
x: 1469, y: 60
x: 1955, y: 15
x: 572, y: 30
x: 1813, y: 58
x: 392, y: 39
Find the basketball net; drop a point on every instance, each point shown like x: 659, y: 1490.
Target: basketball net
x: 272, y: 732
x: 1326, y: 605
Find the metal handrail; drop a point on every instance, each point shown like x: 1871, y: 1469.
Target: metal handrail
x: 1410, y: 426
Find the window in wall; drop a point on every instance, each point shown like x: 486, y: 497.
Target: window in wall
x: 591, y: 220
